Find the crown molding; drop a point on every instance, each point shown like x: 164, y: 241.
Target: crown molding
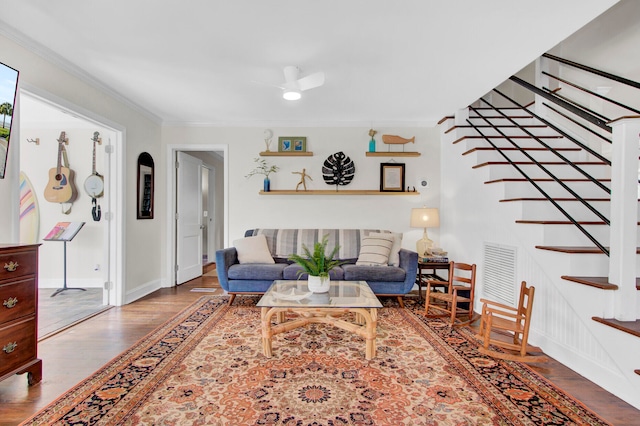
x: 57, y: 60
x: 303, y: 123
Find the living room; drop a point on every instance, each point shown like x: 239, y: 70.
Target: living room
x: 145, y: 245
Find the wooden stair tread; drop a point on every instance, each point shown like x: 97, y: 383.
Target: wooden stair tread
x: 506, y: 200
x: 631, y: 327
x: 498, y: 126
x: 598, y: 282
x: 473, y: 117
x: 505, y: 137
x: 576, y: 249
x: 543, y: 180
x: 490, y: 148
x: 636, y: 371
x: 544, y: 163
x: 559, y: 222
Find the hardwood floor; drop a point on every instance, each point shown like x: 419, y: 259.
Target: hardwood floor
x: 72, y: 355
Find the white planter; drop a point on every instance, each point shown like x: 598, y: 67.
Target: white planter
x: 319, y: 284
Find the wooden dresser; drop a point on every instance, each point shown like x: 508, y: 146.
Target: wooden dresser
x: 19, y: 312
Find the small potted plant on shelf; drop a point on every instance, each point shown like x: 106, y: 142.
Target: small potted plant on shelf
x: 262, y: 168
x: 317, y: 265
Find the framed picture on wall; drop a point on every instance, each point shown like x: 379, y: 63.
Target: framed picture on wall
x: 292, y: 144
x: 391, y: 177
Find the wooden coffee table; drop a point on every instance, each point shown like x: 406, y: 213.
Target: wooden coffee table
x: 327, y: 308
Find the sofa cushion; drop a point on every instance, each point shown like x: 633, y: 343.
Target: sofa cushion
x: 291, y: 273
x: 256, y: 271
x: 283, y: 242
x: 373, y: 273
x: 253, y: 250
x: 394, y: 254
x: 375, y: 250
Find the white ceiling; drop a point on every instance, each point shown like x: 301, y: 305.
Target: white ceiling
x: 401, y: 63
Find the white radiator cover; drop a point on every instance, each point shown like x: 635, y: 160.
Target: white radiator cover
x: 500, y: 273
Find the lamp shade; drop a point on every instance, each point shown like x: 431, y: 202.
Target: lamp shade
x: 425, y: 218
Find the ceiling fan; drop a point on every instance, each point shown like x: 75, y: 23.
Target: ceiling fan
x: 293, y: 86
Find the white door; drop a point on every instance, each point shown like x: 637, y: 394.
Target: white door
x: 189, y: 218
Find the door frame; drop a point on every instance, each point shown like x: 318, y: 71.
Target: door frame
x: 172, y: 149
x: 114, y: 199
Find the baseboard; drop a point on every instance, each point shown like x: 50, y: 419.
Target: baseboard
x: 141, y: 291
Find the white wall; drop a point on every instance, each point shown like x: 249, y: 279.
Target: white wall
x: 141, y: 264
x: 248, y: 209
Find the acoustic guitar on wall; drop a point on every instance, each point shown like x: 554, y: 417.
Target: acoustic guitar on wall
x: 61, y: 186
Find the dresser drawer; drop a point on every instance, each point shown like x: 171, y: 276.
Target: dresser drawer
x: 17, y: 344
x: 17, y: 264
x: 17, y: 299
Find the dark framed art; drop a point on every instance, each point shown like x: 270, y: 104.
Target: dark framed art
x: 145, y: 186
x: 292, y: 144
x: 392, y: 177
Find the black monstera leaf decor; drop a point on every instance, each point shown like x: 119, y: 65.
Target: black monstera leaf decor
x: 338, y: 169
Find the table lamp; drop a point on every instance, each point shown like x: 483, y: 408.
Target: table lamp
x: 424, y: 218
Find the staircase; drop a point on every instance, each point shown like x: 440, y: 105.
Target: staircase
x: 575, y: 302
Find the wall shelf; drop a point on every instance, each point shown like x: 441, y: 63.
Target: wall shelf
x: 334, y: 192
x: 392, y: 154
x: 285, y: 154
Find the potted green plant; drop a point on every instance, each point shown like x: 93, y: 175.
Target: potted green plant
x: 317, y: 265
x: 262, y: 168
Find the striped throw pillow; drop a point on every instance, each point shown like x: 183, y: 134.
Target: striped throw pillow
x: 375, y: 250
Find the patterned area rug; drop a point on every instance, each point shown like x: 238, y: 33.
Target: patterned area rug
x: 205, y: 366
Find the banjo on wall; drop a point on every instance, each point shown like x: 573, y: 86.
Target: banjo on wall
x: 94, y: 184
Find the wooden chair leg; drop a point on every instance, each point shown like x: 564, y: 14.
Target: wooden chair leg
x: 400, y: 302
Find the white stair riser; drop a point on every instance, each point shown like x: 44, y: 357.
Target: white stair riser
x: 471, y: 143
x: 569, y: 235
x: 475, y: 119
x: 505, y: 131
x: 560, y: 171
x: 515, y: 155
x: 553, y: 189
x: 545, y: 210
x: 584, y: 265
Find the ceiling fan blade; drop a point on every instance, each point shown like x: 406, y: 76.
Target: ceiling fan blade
x: 311, y: 81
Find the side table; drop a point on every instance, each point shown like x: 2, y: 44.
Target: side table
x: 422, y: 278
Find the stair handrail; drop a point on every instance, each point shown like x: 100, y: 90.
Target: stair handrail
x: 577, y: 123
x: 592, y: 70
x: 591, y: 92
x: 551, y: 96
x: 532, y: 182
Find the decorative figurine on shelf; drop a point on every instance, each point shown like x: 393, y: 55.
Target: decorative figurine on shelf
x: 303, y: 179
x: 396, y: 140
x: 263, y: 168
x: 372, y: 142
x: 268, y: 134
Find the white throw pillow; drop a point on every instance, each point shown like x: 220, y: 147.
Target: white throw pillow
x: 394, y: 254
x: 375, y: 250
x: 253, y: 250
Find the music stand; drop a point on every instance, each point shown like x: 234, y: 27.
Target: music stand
x: 65, y: 232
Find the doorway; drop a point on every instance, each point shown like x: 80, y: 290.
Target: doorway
x: 93, y: 256
x: 213, y: 213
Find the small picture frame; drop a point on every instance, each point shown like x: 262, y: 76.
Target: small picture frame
x: 392, y: 177
x: 292, y: 144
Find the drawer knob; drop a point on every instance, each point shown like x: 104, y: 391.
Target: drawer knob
x: 11, y: 266
x: 10, y: 347
x: 13, y: 301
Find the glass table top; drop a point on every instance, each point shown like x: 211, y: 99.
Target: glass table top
x: 341, y: 294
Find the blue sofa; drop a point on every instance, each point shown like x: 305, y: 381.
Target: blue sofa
x: 255, y: 278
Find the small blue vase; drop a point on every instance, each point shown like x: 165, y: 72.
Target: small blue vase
x: 372, y: 145
x: 267, y: 185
